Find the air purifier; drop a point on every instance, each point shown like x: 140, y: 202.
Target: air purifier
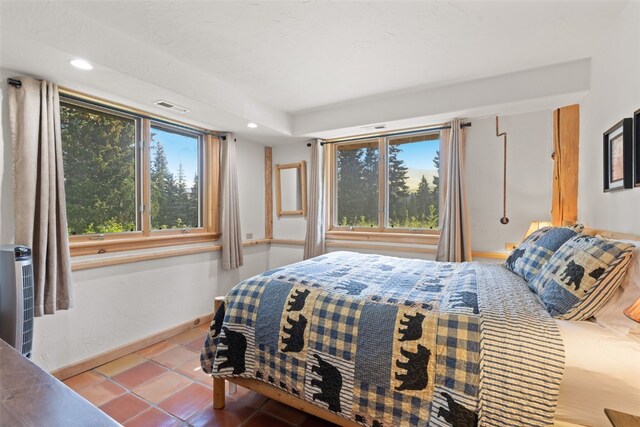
x: 16, y: 297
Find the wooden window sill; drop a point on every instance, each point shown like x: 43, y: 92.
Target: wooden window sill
x: 424, y: 237
x: 129, y: 244
x: 109, y: 260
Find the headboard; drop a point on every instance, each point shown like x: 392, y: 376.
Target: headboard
x: 610, y: 234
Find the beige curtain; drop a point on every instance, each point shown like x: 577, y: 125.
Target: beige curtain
x: 231, y: 231
x: 314, y: 240
x: 38, y: 191
x: 455, y: 240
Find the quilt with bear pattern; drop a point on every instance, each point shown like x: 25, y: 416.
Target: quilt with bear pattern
x: 387, y: 341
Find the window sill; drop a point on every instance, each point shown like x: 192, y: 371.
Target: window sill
x: 120, y: 244
x: 424, y: 237
x: 91, y: 262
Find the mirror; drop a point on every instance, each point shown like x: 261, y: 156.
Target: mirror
x: 291, y: 189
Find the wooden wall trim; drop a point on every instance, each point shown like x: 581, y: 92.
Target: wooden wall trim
x: 411, y: 238
x: 128, y: 259
x: 268, y: 193
x: 387, y: 248
x: 491, y: 255
x: 287, y: 242
x: 108, y: 356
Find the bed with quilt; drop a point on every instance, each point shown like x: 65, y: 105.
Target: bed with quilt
x: 385, y: 341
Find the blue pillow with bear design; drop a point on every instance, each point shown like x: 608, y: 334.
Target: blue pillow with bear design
x: 581, y: 276
x: 529, y: 257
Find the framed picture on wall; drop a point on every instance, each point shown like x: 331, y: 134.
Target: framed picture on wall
x: 636, y: 146
x: 618, y: 156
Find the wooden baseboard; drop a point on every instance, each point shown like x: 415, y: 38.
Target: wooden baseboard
x: 108, y: 356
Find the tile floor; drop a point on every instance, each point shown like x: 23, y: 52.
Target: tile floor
x: 163, y: 386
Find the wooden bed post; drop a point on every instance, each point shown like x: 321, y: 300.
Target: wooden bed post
x: 218, y: 383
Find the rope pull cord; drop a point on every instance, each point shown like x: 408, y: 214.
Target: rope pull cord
x: 504, y: 220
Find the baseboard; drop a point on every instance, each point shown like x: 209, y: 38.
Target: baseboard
x: 108, y: 356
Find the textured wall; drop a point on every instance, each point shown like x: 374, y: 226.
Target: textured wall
x: 615, y: 94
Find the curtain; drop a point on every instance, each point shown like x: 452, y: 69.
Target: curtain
x: 314, y: 240
x: 38, y: 191
x: 231, y: 231
x: 455, y: 240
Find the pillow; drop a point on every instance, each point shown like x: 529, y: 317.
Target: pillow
x: 610, y: 315
x: 527, y: 259
x: 581, y: 276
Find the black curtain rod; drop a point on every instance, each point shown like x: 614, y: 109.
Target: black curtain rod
x: 15, y: 82
x: 462, y: 125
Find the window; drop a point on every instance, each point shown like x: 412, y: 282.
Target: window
x: 130, y: 178
x: 99, y: 157
x: 404, y: 167
x: 175, y: 179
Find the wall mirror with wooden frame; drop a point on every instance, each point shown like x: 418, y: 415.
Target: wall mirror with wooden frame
x: 291, y: 189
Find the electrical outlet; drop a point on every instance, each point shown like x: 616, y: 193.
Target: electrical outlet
x: 510, y: 246
x: 249, y: 236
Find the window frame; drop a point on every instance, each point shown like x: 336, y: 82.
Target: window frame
x: 144, y: 237
x: 381, y: 233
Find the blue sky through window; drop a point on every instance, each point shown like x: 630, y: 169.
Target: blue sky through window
x: 419, y: 155
x: 179, y: 149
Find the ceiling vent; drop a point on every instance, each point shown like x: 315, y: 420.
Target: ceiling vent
x: 374, y: 127
x: 170, y: 106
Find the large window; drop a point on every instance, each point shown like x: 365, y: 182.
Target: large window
x: 405, y: 168
x: 128, y: 177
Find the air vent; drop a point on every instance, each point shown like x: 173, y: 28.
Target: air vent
x: 171, y: 106
x: 374, y: 127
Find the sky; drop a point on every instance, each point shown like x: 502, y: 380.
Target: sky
x: 419, y: 155
x: 179, y: 149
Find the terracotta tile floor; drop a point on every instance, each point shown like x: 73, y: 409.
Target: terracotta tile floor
x: 163, y: 386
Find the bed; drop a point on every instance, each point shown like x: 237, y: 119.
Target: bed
x: 372, y: 340
x: 601, y: 371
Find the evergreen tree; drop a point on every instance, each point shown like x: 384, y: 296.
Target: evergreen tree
x: 350, y: 197
x: 398, y: 188
x: 423, y: 198
x: 99, y: 166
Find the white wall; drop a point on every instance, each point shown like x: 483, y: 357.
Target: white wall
x: 529, y: 177
x: 615, y: 94
x: 120, y: 304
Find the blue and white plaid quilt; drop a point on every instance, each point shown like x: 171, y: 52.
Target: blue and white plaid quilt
x: 396, y: 342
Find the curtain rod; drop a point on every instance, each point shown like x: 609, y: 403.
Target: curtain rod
x: 15, y: 82
x: 408, y: 132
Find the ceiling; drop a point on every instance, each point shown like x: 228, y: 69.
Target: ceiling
x: 283, y: 59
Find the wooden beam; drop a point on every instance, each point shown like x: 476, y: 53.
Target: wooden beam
x: 268, y: 192
x: 566, y: 142
x: 108, y: 356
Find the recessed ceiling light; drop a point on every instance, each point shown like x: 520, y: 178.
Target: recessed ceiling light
x: 252, y: 125
x: 82, y: 64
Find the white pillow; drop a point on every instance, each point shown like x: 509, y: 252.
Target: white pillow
x: 610, y: 315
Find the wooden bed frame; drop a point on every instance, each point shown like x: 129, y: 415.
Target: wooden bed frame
x: 272, y: 392
x: 279, y: 395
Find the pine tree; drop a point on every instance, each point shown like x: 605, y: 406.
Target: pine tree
x: 423, y: 198
x: 398, y: 188
x: 99, y: 165
x: 350, y: 186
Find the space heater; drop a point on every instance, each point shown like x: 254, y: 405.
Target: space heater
x: 16, y: 297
